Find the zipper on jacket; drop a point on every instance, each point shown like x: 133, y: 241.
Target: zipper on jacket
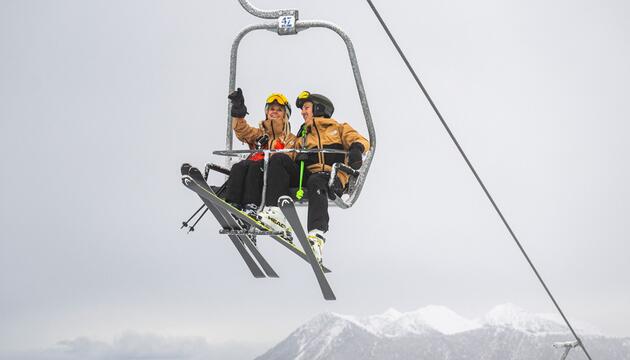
x: 319, y: 145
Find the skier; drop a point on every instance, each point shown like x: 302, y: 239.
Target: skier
x: 244, y: 185
x: 320, y: 131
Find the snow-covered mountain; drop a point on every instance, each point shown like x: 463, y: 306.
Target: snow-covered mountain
x: 512, y: 316
x: 429, y: 319
x: 438, y: 333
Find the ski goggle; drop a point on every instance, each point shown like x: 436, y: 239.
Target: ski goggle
x: 277, y: 97
x: 302, y: 98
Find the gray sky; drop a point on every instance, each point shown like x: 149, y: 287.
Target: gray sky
x: 102, y: 101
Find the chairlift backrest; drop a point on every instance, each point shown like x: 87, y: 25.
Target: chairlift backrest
x: 288, y: 23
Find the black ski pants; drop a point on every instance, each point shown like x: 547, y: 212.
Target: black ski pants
x: 244, y: 185
x: 282, y: 174
x: 317, y: 186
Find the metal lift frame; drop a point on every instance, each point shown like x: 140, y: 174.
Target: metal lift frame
x: 288, y: 23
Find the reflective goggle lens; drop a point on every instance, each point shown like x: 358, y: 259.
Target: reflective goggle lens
x: 279, y: 98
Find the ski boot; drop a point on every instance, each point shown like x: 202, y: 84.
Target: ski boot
x: 317, y: 240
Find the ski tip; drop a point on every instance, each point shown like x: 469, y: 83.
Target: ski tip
x: 187, y: 181
x: 185, y: 167
x: 188, y: 169
x: 285, y: 201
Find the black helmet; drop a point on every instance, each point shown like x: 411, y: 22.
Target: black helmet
x: 322, y: 106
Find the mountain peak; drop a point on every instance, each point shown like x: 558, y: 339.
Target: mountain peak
x: 444, y: 319
x: 432, y: 318
x: 510, y: 315
x: 504, y: 313
x: 391, y: 313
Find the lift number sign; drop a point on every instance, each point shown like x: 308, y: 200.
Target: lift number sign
x: 286, y: 22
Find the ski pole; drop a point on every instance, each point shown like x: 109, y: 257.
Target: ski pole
x: 185, y: 223
x: 192, y: 228
x: 300, y: 193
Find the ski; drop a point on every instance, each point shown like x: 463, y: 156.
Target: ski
x: 209, y: 195
x: 250, y: 232
x: 288, y: 209
x: 229, y: 225
x: 238, y: 244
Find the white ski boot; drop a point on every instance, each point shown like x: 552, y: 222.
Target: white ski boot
x: 273, y: 218
x: 317, y: 240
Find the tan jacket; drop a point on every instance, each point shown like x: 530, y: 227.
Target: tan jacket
x: 278, y: 133
x: 329, y: 134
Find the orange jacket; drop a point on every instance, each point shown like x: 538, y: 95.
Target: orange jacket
x: 329, y: 134
x: 279, y: 134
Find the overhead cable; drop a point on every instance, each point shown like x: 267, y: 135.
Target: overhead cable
x: 483, y: 186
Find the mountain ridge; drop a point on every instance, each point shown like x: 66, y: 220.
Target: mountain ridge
x: 438, y: 333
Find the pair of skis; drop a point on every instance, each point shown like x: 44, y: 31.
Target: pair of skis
x: 242, y: 239
x: 227, y: 222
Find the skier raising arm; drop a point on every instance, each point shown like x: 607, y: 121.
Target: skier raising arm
x: 244, y: 185
x: 320, y: 131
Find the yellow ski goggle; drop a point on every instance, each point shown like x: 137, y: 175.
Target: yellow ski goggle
x: 277, y: 97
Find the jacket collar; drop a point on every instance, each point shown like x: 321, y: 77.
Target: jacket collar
x: 278, y: 128
x: 320, y: 122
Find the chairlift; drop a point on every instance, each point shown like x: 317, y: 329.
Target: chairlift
x: 244, y: 237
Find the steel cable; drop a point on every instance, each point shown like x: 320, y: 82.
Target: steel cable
x: 461, y: 151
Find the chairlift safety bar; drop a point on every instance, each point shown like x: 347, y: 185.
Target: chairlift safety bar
x: 267, y: 153
x: 299, y: 151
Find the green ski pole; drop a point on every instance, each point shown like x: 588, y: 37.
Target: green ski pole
x: 300, y: 193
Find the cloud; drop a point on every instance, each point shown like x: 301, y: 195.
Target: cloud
x: 142, y: 346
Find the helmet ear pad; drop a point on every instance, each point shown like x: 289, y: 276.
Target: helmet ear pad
x: 319, y: 110
x: 322, y: 106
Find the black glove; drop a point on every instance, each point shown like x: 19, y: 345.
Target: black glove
x: 238, y: 103
x: 355, y: 155
x: 336, y: 189
x: 262, y: 141
x: 306, y: 157
x: 302, y: 157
